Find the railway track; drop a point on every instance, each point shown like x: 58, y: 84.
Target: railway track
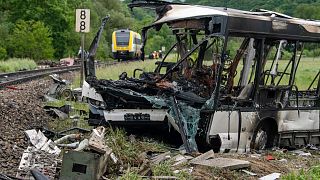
x: 7, y: 79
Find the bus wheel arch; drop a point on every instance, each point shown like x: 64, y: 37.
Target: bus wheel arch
x: 264, y: 134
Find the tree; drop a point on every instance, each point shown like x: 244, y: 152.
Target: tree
x: 3, y: 53
x: 308, y: 11
x: 31, y: 39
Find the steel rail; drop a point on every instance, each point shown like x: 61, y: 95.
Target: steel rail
x: 8, y: 79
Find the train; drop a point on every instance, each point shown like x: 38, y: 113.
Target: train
x: 126, y: 44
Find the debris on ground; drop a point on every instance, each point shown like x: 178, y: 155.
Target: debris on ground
x: 61, y: 112
x: 59, y: 89
x: 41, y: 142
x: 248, y: 172
x: 272, y: 176
x: 42, y: 155
x: 161, y: 157
x: 19, y: 112
x: 205, y: 156
x: 90, y: 161
x: 302, y: 153
x: 45, y: 162
x: 269, y: 157
x: 227, y: 163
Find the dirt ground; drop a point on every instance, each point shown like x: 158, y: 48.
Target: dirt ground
x: 283, y: 163
x: 21, y: 108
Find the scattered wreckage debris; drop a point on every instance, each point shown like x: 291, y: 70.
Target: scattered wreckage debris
x: 87, y: 159
x: 19, y: 111
x: 33, y: 158
x: 61, y: 112
x: 228, y: 163
x: 60, y: 90
x: 43, y: 155
x: 96, y: 152
x: 84, y: 164
x: 272, y: 176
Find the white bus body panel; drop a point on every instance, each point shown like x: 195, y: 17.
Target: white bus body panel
x: 90, y: 92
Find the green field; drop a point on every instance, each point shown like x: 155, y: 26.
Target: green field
x: 113, y: 72
x: 306, y: 72
x: 16, y: 64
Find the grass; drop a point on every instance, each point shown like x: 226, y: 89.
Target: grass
x: 77, y: 106
x: 16, y: 64
x: 113, y: 72
x: 306, y: 72
x: 312, y: 173
x: 130, y: 175
x: 59, y: 125
x: 163, y: 169
x: 128, y: 151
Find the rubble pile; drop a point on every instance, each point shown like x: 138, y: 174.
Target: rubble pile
x: 73, y: 156
x: 21, y: 108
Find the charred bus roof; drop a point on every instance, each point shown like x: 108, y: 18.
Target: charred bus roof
x: 227, y: 21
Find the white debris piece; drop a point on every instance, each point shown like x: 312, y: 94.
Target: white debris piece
x: 40, y: 141
x: 248, y: 172
x: 26, y: 158
x: 179, y: 159
x: 51, y: 148
x: 272, y: 176
x: 114, y: 158
x: 305, y: 154
x: 83, y: 144
x: 283, y: 160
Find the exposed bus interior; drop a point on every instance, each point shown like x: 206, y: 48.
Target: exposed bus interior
x: 232, y: 75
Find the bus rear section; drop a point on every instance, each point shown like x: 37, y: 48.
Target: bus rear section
x: 126, y: 44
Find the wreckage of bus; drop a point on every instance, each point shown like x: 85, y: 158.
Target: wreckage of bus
x: 229, y: 89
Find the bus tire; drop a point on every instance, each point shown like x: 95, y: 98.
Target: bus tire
x: 264, y: 135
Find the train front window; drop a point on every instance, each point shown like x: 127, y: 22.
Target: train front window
x: 122, y: 38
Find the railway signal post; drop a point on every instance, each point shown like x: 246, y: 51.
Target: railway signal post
x: 82, y: 26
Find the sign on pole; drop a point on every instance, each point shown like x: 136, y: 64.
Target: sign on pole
x: 82, y: 26
x: 83, y: 20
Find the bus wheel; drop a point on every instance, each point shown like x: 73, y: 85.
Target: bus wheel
x: 66, y: 94
x: 264, y: 135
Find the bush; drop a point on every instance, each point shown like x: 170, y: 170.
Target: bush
x: 312, y: 53
x: 3, y: 53
x: 16, y: 64
x: 31, y: 39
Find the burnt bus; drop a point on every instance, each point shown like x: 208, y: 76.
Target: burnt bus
x: 229, y: 90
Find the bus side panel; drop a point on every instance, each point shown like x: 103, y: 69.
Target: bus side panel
x: 220, y: 128
x: 291, y: 120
